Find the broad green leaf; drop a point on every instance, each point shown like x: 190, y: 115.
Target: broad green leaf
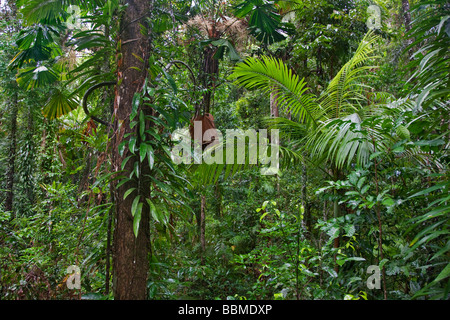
x: 365, y: 188
x: 134, y: 205
x: 153, y: 211
x: 122, y: 148
x: 223, y: 43
x: 127, y: 193
x: 355, y: 259
x: 171, y: 81
x: 331, y: 271
x: 262, y: 216
x: 124, y: 162
x: 388, y: 201
x: 143, y: 149
x: 135, y: 105
x: 383, y: 262
x: 132, y: 144
x: 444, y: 273
x: 123, y: 181
x: 151, y: 158
x: 137, y: 219
x: 141, y: 124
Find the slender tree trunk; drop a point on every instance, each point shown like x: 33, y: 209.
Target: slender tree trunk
x: 202, y: 227
x: 407, y: 22
x: 108, y: 246
x: 336, y: 212
x: 274, y: 109
x: 307, y: 214
x: 208, y: 76
x: 406, y: 15
x: 218, y: 194
x: 29, y: 183
x: 380, y: 230
x: 336, y: 240
x: 275, y: 113
x: 130, y: 253
x: 12, y: 156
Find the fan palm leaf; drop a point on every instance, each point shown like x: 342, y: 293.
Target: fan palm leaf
x: 59, y: 104
x: 51, y: 11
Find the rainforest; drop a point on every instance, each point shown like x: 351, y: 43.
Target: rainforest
x: 224, y: 150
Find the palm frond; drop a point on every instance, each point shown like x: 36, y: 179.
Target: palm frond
x: 289, y: 130
x: 36, y: 77
x: 59, y: 104
x: 51, y: 11
x: 345, y: 140
x: 344, y: 92
x: 264, y: 22
x: 431, y: 63
x: 269, y: 74
x: 235, y: 153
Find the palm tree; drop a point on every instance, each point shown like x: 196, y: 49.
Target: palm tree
x: 329, y: 125
x: 329, y: 128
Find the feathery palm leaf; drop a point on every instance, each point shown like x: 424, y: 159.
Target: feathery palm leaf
x: 235, y: 157
x: 344, y: 92
x: 432, y: 62
x: 268, y: 74
x: 342, y: 141
x: 289, y: 129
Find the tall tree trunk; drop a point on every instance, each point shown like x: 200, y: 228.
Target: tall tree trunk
x: 407, y: 22
x: 12, y: 156
x: 108, y: 246
x: 218, y: 194
x: 307, y: 214
x: 336, y: 213
x: 275, y: 113
x: 130, y: 253
x: 208, y: 76
x: 202, y: 227
x: 406, y: 15
x: 274, y: 109
x: 28, y: 178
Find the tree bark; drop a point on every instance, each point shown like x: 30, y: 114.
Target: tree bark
x: 202, y: 227
x: 336, y: 214
x: 274, y: 109
x: 307, y: 214
x: 208, y: 77
x: 406, y: 15
x: 12, y: 157
x: 275, y: 113
x: 407, y: 22
x: 108, y: 247
x: 130, y: 253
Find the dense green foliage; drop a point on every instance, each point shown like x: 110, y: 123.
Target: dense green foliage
x: 364, y: 126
